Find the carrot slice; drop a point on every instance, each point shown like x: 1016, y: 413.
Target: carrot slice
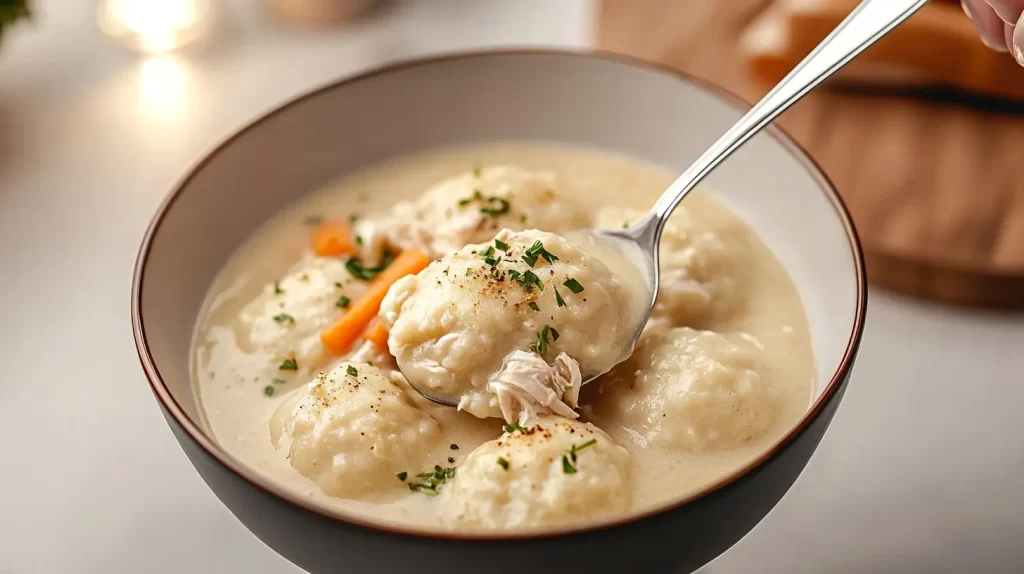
x: 377, y: 333
x: 332, y: 238
x: 338, y: 338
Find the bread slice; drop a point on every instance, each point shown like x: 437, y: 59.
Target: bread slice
x: 936, y: 46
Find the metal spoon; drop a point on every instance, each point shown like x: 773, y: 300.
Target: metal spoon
x: 638, y: 245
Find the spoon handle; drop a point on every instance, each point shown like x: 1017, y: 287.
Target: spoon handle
x: 871, y: 20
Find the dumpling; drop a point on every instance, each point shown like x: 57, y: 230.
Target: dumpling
x: 286, y: 319
x: 701, y: 267
x: 351, y: 430
x: 689, y: 390
x: 553, y: 473
x: 471, y: 208
x: 455, y: 325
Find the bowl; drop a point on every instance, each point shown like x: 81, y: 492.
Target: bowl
x: 588, y: 99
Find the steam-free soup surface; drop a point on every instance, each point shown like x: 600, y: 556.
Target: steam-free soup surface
x: 723, y: 370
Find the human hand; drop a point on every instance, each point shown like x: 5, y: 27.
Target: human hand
x: 1000, y: 24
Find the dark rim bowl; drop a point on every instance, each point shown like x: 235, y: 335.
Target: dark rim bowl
x: 590, y: 99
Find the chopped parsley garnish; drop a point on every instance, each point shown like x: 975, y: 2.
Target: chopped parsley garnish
x: 284, y: 318
x: 534, y: 306
x: 502, y: 463
x: 489, y: 252
x: 569, y: 459
x: 402, y: 475
x: 522, y: 218
x: 268, y: 390
x: 352, y: 372
x: 573, y: 285
x: 501, y: 245
x: 492, y: 261
x: 513, y: 427
x: 357, y: 269
x: 540, y: 346
x: 430, y: 481
x: 527, y: 280
x: 279, y: 381
x: 338, y: 284
x: 558, y: 298
x: 469, y: 272
x: 453, y: 446
x: 359, y: 239
x: 537, y: 250
x: 352, y: 218
x: 567, y: 467
x: 289, y: 365
x: 277, y: 288
x: 475, y: 197
x: 578, y: 447
x: 343, y: 302
x: 495, y: 206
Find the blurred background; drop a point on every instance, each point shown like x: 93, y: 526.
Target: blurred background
x: 105, y: 104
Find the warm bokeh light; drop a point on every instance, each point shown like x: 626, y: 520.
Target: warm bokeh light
x: 162, y: 86
x: 155, y: 26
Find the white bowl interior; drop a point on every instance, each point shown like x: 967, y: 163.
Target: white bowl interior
x: 601, y: 103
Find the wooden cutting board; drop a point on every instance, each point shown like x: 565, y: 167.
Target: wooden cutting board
x: 935, y: 182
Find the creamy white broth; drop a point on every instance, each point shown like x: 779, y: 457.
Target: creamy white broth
x: 230, y: 380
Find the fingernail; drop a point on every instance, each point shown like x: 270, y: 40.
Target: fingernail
x: 1018, y: 42
x: 968, y: 10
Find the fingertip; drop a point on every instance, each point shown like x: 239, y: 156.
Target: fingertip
x: 990, y: 26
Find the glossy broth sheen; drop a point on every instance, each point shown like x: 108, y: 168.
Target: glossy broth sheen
x: 237, y: 411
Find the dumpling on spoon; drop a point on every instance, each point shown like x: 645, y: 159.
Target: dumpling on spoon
x: 509, y: 328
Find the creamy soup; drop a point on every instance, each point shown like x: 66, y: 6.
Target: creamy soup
x: 503, y: 312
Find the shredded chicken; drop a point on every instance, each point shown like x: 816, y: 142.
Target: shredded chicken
x: 527, y: 386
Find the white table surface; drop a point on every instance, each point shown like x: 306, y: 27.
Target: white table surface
x: 920, y: 472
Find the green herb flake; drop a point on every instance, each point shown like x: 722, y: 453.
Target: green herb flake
x: 501, y: 245
x: 268, y: 390
x: 284, y: 318
x: 495, y: 206
x: 558, y: 298
x: 489, y: 252
x: 522, y: 219
x: 431, y: 481
x: 502, y: 463
x: 476, y: 171
x: 338, y: 285
x: 469, y: 272
x: 342, y: 302
x: 360, y: 271
x: 528, y: 281
x: 402, y: 476
x: 513, y: 427
x: 359, y: 239
x: 351, y: 371
x: 573, y: 285
x: 537, y: 250
x: 279, y: 381
x: 477, y: 196
x: 289, y: 365
x: 567, y: 467
x: 540, y: 346
x: 353, y: 218
x: 277, y: 288
x: 534, y: 306
x: 453, y: 446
